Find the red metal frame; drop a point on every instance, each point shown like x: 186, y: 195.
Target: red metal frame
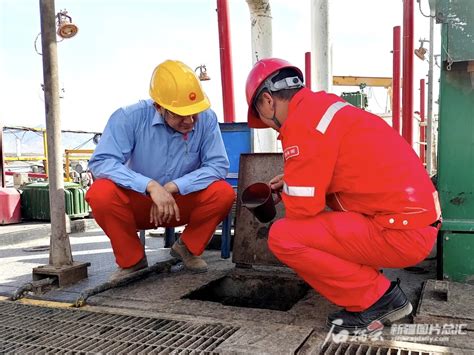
x: 32, y: 175
x: 422, y: 122
x: 407, y: 89
x: 226, y: 62
x: 307, y: 69
x: 396, y: 80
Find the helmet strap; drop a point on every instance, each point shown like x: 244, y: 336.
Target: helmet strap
x: 274, y: 118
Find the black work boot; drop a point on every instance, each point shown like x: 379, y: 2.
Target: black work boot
x: 392, y: 306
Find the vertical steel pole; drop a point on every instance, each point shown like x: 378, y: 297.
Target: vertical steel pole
x: 262, y: 140
x: 60, y: 248
x: 430, y: 156
x: 407, y: 89
x: 396, y: 80
x: 261, y: 29
x: 320, y: 45
x: 307, y: 69
x: 226, y: 60
x: 422, y: 122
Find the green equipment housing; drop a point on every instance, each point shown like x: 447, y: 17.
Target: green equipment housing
x: 455, y: 181
x: 357, y: 99
x: 35, y: 201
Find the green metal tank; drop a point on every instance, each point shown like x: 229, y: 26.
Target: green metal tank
x: 455, y: 181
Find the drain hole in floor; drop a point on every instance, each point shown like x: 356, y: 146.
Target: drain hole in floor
x: 273, y: 293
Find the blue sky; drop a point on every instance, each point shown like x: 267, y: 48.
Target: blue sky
x: 109, y: 63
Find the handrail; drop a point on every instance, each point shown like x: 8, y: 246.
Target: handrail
x: 69, y: 152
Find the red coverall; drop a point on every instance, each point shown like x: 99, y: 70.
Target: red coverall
x: 382, y: 200
x: 120, y: 212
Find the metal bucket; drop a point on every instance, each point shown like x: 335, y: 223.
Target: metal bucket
x: 259, y: 200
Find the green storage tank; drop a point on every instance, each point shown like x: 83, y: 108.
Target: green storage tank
x: 456, y: 141
x: 35, y: 201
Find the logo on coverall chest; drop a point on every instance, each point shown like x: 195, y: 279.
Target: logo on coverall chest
x: 291, y: 152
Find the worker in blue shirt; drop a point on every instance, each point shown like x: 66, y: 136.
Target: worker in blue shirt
x: 161, y: 162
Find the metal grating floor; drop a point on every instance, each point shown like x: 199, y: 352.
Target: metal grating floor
x: 367, y: 349
x: 39, y: 330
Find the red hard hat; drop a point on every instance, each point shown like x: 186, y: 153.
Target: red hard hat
x: 261, y: 71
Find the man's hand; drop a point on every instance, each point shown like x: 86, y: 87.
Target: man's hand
x: 164, y: 207
x: 276, y: 184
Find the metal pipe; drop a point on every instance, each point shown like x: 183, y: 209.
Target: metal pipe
x: 407, y: 89
x: 430, y: 152
x: 226, y: 61
x: 32, y: 129
x: 320, y: 45
x: 60, y: 252
x: 67, y: 170
x: 160, y: 267
x: 33, y: 286
x: 18, y: 147
x: 307, y: 69
x: 45, y: 151
x: 396, y: 80
x: 261, y: 29
x: 263, y: 140
x: 422, y: 122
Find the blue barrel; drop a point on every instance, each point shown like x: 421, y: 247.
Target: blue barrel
x: 237, y: 140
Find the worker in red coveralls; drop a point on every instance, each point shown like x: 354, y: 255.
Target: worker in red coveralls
x: 384, y: 210
x: 161, y: 162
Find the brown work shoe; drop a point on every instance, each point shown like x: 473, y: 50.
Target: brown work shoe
x: 191, y: 262
x: 122, y: 272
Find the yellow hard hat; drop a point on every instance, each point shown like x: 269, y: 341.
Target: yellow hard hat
x: 176, y: 87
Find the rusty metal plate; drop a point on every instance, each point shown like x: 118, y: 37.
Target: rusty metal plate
x: 250, y: 239
x: 445, y: 302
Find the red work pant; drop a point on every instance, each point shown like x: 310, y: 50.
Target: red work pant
x: 121, y: 212
x: 339, y: 254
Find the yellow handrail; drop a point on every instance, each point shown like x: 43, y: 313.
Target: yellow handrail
x: 69, y: 152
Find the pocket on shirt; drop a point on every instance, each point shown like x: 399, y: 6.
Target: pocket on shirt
x: 191, y: 162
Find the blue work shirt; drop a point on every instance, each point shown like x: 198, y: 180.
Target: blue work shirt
x: 137, y: 146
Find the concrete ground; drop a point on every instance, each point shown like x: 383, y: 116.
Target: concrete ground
x: 301, y: 329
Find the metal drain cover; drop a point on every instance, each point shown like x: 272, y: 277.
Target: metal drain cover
x: 386, y: 349
x: 32, y: 329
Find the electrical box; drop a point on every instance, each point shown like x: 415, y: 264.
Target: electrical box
x: 357, y: 99
x: 35, y: 201
x: 457, y: 19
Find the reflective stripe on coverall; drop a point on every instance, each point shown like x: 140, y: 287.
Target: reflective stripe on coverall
x: 382, y: 199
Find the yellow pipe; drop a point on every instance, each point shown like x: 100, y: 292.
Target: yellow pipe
x: 358, y: 80
x: 79, y: 151
x: 24, y: 158
x: 68, y: 177
x: 45, y: 150
x: 80, y: 157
